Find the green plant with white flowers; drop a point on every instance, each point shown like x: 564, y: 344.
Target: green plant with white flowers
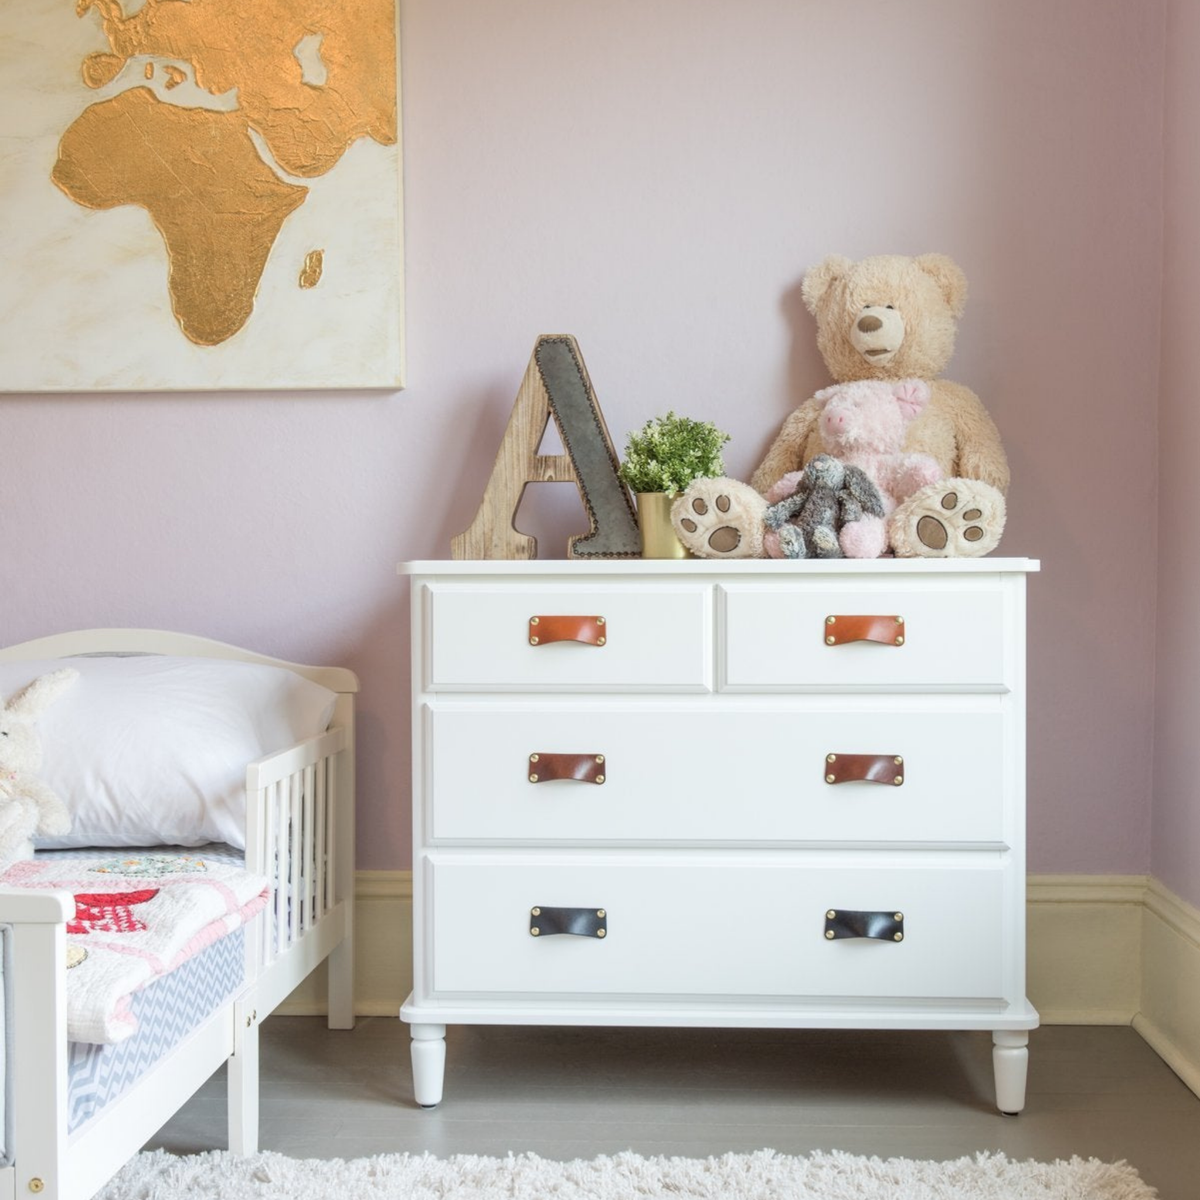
x: 669, y: 452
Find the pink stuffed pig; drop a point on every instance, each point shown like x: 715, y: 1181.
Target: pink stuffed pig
x: 863, y: 424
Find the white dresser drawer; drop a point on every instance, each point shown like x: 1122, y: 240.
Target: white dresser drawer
x: 789, y: 637
x: 652, y: 638
x: 716, y: 926
x: 729, y: 773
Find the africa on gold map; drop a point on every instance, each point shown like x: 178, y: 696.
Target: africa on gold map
x: 299, y: 81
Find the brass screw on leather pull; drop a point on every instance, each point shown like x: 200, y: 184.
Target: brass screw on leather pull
x: 898, y: 916
x: 599, y: 778
x: 533, y: 779
x: 600, y: 933
x: 534, y: 931
x: 600, y: 912
x: 532, y: 640
x: 899, y: 937
x: 829, y: 934
x: 830, y: 915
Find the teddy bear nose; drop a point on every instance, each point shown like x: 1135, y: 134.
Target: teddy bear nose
x: 869, y: 324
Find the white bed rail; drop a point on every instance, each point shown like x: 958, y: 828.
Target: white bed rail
x: 296, y: 832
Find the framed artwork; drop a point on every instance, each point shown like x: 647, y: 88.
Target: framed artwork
x: 200, y: 194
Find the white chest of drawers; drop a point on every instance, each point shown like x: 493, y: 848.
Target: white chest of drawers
x: 776, y: 794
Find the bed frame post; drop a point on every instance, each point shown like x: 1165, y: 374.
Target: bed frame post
x: 242, y: 1107
x: 341, y: 960
x: 37, y: 943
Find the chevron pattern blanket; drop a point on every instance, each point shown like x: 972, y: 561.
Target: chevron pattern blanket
x: 137, y: 917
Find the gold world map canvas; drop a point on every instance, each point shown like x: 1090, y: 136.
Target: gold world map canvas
x: 200, y: 194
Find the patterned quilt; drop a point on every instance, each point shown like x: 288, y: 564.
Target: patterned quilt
x: 137, y: 917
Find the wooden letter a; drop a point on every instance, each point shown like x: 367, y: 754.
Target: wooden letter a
x: 556, y: 384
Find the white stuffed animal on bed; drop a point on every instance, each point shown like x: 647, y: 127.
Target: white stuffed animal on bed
x: 27, y: 806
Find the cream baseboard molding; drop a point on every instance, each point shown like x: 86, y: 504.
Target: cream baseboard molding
x: 1083, y: 947
x: 1169, y: 1017
x: 1085, y: 941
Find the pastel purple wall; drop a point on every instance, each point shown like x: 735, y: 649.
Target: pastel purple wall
x: 1176, y: 811
x: 654, y: 179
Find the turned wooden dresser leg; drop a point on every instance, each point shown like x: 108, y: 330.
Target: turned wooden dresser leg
x: 1010, y: 1062
x: 428, y: 1063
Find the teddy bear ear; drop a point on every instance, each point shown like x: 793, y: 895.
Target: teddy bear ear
x: 949, y: 277
x: 817, y: 280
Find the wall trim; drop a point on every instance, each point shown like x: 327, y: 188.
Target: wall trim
x: 1169, y: 1015
x: 1102, y: 950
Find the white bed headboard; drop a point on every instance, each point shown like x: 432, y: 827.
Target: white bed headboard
x: 158, y: 641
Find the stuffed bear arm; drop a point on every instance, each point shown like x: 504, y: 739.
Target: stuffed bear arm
x: 787, y: 451
x: 980, y: 450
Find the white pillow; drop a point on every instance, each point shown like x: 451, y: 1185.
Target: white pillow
x: 152, y: 750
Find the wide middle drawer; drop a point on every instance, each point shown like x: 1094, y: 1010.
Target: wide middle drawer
x: 528, y: 773
x: 567, y: 637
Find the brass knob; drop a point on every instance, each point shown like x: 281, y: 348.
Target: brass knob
x: 36, y: 1185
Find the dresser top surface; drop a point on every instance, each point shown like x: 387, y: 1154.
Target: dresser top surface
x: 699, y: 567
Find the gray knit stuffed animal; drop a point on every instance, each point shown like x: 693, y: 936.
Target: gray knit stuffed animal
x: 808, y: 509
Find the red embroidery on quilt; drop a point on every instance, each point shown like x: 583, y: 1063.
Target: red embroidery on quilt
x: 109, y: 912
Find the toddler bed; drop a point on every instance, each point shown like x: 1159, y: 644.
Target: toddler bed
x: 186, y: 763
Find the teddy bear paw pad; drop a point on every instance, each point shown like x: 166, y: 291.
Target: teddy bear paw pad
x: 724, y: 539
x: 715, y: 520
x: 953, y: 519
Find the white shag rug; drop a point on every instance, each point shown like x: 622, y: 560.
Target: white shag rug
x: 764, y: 1175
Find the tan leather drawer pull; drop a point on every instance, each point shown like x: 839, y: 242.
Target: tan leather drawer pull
x: 545, y: 629
x: 865, y: 768
x: 587, y: 768
x: 842, y: 628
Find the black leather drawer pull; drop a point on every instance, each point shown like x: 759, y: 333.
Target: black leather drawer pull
x: 850, y: 923
x: 582, y: 922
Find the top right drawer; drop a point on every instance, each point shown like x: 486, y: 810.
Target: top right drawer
x: 947, y: 635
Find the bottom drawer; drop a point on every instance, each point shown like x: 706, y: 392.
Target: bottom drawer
x: 720, y: 926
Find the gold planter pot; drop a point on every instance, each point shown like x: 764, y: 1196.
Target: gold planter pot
x: 654, y: 520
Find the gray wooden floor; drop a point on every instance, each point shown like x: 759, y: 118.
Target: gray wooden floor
x: 571, y: 1093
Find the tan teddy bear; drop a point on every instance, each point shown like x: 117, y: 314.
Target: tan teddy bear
x: 892, y: 317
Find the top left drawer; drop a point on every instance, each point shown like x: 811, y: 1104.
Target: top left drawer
x: 477, y: 638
